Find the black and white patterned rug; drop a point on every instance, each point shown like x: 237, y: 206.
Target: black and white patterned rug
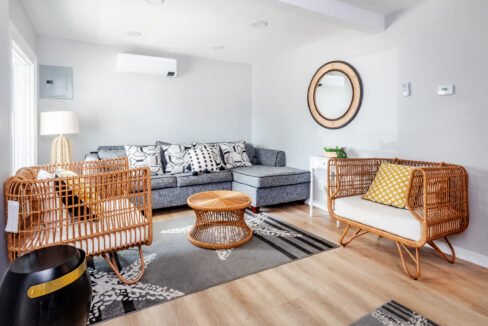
x: 174, y: 267
x: 393, y: 313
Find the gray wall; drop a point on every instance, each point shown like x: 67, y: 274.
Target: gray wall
x: 438, y: 42
x: 4, y: 119
x: 209, y: 100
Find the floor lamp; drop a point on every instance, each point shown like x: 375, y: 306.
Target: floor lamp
x: 60, y: 123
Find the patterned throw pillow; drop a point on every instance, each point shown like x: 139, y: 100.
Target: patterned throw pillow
x: 202, y: 160
x: 215, y: 150
x: 176, y: 158
x: 390, y: 186
x: 235, y: 154
x: 140, y: 156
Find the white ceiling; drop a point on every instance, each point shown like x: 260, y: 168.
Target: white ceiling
x: 192, y: 27
x: 384, y: 7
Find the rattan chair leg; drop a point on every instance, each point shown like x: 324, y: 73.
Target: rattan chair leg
x: 415, y: 259
x: 452, y: 257
x: 358, y: 233
x: 110, y: 259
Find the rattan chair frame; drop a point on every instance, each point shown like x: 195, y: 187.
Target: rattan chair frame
x: 114, y: 214
x: 437, y: 198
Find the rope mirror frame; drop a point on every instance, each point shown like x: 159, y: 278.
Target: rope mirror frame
x: 357, y: 95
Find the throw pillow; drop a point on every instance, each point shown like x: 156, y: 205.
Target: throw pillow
x: 176, y: 158
x: 390, y: 186
x: 202, y: 160
x: 140, y: 156
x: 235, y: 154
x: 215, y: 150
x: 76, y: 194
x: 47, y: 202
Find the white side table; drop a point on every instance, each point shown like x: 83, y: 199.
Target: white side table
x: 318, y: 162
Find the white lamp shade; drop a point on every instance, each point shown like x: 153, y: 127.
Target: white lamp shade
x: 59, y: 123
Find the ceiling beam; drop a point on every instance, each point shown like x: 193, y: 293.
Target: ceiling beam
x: 343, y: 14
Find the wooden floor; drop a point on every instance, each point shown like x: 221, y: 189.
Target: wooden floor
x: 332, y: 288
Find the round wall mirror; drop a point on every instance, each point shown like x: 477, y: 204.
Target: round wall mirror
x: 335, y: 94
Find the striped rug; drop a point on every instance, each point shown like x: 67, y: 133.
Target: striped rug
x: 175, y: 268
x: 393, y: 313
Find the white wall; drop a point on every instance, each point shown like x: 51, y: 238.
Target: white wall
x: 209, y: 100
x: 438, y: 42
x: 4, y: 120
x: 22, y: 23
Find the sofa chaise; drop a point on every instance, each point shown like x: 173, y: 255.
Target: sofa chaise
x: 268, y: 181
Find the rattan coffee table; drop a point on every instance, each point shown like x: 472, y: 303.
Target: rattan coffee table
x: 220, y: 220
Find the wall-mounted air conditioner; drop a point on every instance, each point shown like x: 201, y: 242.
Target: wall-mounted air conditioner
x: 142, y: 64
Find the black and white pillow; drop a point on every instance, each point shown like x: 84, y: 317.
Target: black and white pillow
x: 202, y: 160
x: 145, y: 156
x: 176, y: 158
x: 235, y: 154
x: 215, y: 150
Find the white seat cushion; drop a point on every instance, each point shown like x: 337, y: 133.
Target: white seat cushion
x: 121, y: 215
x: 390, y: 219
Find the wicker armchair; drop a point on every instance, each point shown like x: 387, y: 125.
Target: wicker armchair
x: 104, y: 209
x: 438, y: 199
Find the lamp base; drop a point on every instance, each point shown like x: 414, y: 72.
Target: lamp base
x: 60, y: 150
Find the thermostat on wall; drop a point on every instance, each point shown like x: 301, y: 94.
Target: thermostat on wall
x: 406, y: 91
x: 445, y: 90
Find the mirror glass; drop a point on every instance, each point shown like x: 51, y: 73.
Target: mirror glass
x: 333, y: 95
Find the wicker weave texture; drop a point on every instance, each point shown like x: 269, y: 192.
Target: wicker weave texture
x: 220, y: 222
x: 112, y: 212
x: 437, y: 196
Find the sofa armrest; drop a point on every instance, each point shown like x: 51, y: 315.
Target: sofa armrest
x: 93, y: 156
x: 270, y: 157
x: 438, y: 197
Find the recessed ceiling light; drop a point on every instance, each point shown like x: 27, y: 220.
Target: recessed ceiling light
x: 134, y: 33
x: 260, y: 24
x: 155, y: 2
x: 218, y: 47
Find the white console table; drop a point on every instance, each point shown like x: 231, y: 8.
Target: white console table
x: 318, y: 162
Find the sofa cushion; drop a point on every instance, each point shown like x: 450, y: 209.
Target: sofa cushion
x: 261, y: 176
x: 163, y: 181
x: 187, y: 179
x: 390, y: 219
x: 176, y: 158
x: 145, y: 156
x: 235, y: 154
x: 214, y: 148
x: 106, y: 154
x: 202, y: 160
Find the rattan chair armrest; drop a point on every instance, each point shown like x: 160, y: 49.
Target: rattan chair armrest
x: 439, y: 194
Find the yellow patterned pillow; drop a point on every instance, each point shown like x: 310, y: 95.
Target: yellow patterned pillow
x: 390, y: 186
x: 79, y: 196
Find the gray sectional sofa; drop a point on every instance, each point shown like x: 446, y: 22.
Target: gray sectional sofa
x: 268, y: 181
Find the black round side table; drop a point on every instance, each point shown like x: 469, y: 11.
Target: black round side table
x: 49, y: 286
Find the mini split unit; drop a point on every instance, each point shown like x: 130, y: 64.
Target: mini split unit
x: 142, y: 64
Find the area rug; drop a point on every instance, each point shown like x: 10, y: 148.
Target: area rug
x: 175, y: 268
x: 393, y: 313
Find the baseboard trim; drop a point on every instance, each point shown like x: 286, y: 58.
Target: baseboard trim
x: 465, y: 254
x: 319, y: 206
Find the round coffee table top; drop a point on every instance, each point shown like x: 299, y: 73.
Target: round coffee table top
x: 219, y: 200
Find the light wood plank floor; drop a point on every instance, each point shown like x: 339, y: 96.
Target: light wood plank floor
x: 332, y: 288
